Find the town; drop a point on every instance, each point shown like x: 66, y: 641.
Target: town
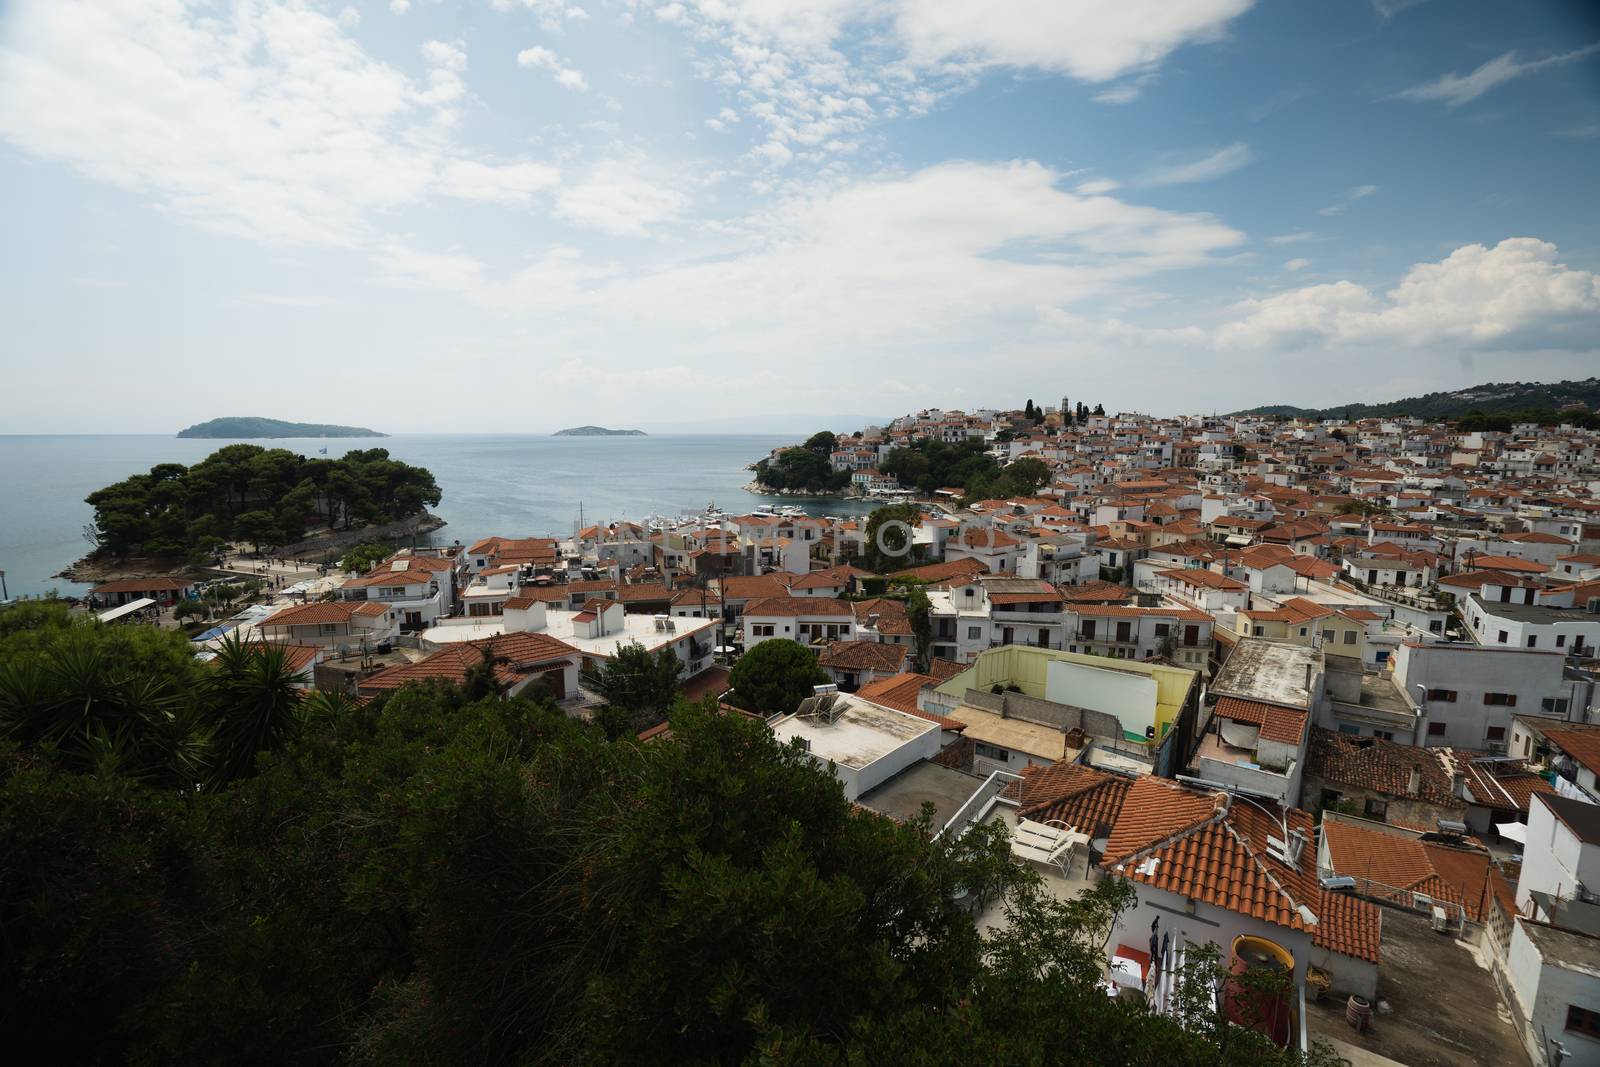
x: 1320, y: 693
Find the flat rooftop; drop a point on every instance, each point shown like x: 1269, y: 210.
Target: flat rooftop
x: 902, y: 796
x: 636, y: 629
x: 1271, y: 671
x: 861, y: 735
x: 1570, y: 951
x: 1534, y: 613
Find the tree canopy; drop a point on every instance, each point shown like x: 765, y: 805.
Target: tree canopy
x: 775, y: 676
x: 928, y: 464
x: 249, y: 493
x: 441, y: 876
x: 807, y: 467
x: 639, y: 684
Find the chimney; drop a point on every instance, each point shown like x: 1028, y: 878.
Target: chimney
x: 1414, y: 782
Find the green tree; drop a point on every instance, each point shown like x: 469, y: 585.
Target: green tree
x: 887, y: 544
x: 774, y: 676
x: 639, y: 683
x: 919, y: 613
x: 362, y: 558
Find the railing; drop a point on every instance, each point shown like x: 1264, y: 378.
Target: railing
x: 979, y: 802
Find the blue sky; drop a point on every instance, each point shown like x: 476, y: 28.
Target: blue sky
x: 521, y: 214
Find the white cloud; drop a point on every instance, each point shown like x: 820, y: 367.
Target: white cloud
x: 1453, y: 89
x: 950, y: 258
x: 1128, y: 91
x: 447, y: 56
x: 1510, y: 294
x: 1092, y: 40
x: 289, y: 300
x: 399, y: 7
x: 773, y: 153
x: 1292, y: 238
x: 1222, y: 162
x: 508, y: 183
x: 349, y: 17
x: 539, y: 57
x: 1350, y: 196
x: 614, y: 198
x: 271, y: 124
x: 1096, y: 186
x: 552, y: 14
x: 817, y: 73
x: 1297, y: 264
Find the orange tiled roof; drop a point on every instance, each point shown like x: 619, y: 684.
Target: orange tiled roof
x: 1349, y: 926
x: 863, y: 655
x: 1378, y: 765
x: 899, y: 693
x: 334, y: 611
x: 1080, y: 796
x: 515, y: 655
x: 1284, y: 725
x: 1213, y: 848
x: 1402, y: 863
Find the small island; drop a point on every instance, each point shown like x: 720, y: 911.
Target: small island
x: 596, y: 431
x: 248, y: 426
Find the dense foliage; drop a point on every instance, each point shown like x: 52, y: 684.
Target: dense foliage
x: 638, y: 686
x: 806, y: 467
x: 248, y: 493
x: 443, y: 876
x: 928, y: 464
x: 1529, y: 401
x: 775, y: 676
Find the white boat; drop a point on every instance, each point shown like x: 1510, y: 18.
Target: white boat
x: 792, y: 511
x: 764, y: 509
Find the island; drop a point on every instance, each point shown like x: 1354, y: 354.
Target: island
x: 246, y: 426
x: 596, y: 431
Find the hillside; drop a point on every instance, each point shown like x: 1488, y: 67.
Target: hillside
x: 597, y: 431
x: 1490, y: 399
x: 245, y: 426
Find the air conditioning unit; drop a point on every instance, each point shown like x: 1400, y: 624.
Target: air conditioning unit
x: 1441, y: 923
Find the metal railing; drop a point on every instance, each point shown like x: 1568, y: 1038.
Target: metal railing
x: 979, y: 802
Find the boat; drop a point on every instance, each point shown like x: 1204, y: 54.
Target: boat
x: 792, y: 511
x: 769, y: 510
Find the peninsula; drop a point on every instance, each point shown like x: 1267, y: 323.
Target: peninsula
x: 596, y: 431
x: 245, y: 426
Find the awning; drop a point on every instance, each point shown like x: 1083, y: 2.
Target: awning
x: 1512, y: 831
x: 127, y: 609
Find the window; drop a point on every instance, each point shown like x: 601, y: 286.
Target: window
x: 1376, y: 809
x: 328, y: 628
x: 1303, y: 631
x: 761, y: 629
x: 1500, y: 700
x: 1554, y: 705
x: 1327, y: 637
x: 1349, y: 728
x: 1583, y: 1021
x: 1495, y: 733
x: 1501, y: 639
x: 1161, y: 629
x: 1561, y: 640
x: 994, y: 752
x: 1436, y: 729
x: 1533, y: 641
x: 1349, y: 637
x: 1447, y: 696
x: 1259, y: 630
x: 974, y: 633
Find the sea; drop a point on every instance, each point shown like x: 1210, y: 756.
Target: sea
x: 514, y: 485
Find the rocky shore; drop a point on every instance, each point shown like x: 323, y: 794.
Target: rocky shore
x: 93, y: 571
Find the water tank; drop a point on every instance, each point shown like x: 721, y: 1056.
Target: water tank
x: 1267, y: 1011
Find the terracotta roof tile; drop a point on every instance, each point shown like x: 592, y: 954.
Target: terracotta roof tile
x: 1283, y: 725
x: 1349, y: 926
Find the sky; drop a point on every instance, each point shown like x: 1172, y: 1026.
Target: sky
x: 518, y: 215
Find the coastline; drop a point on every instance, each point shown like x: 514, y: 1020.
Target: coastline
x: 91, y: 571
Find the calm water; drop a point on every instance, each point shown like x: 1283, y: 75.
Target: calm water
x: 513, y: 485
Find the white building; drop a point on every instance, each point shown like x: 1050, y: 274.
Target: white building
x: 863, y: 744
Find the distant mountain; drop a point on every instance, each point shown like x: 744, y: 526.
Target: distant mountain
x: 250, y: 426
x: 1492, y: 399
x: 596, y: 431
